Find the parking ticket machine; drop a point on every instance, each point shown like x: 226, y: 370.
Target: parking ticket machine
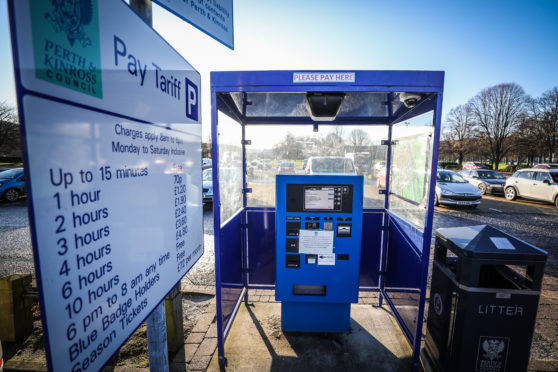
x: 318, y: 241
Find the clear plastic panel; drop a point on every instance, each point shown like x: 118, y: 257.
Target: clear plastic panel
x: 410, y: 167
x: 230, y: 167
x: 273, y: 104
x: 292, y: 149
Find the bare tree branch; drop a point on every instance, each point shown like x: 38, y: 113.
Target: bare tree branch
x: 497, y: 112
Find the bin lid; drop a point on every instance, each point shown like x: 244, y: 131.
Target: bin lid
x: 487, y: 242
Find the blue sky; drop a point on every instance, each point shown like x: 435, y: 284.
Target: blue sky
x: 477, y: 43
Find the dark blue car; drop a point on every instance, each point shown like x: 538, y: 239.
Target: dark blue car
x: 12, y: 185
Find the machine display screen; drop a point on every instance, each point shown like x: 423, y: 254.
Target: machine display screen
x: 319, y: 198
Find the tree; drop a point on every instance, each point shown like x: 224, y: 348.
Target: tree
x: 289, y: 148
x: 206, y: 148
x: 460, y: 131
x: 358, y: 139
x: 497, y: 112
x: 333, y: 143
x: 10, y: 143
x: 547, y: 107
x: 525, y: 140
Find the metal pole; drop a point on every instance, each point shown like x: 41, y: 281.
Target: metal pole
x: 157, y: 339
x: 156, y: 321
x: 143, y: 9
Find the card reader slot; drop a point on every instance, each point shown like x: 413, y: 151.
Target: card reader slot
x: 309, y: 290
x: 293, y: 228
x: 292, y: 261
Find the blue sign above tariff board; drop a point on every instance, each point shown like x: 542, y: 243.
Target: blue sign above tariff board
x: 214, y: 17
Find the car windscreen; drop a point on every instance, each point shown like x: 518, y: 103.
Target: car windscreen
x: 207, y: 175
x: 332, y: 166
x: 449, y: 177
x: 10, y: 174
x: 485, y: 175
x: 554, y: 176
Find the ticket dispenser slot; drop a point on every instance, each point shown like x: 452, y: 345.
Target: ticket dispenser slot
x: 318, y: 242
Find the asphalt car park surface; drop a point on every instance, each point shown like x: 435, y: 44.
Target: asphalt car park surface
x: 533, y: 221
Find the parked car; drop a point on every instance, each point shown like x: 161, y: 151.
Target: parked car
x: 12, y: 184
x: 266, y: 164
x: 452, y: 189
x: 381, y: 177
x: 488, y: 181
x: 379, y: 165
x: 538, y: 184
x: 207, y: 181
x: 330, y: 165
x: 474, y: 165
x: 206, y: 163
x: 286, y: 167
x: 546, y: 166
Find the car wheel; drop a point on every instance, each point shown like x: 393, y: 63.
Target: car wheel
x: 556, y: 201
x: 436, y: 201
x: 482, y: 188
x: 511, y: 194
x: 11, y: 195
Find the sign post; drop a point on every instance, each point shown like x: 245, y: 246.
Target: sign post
x: 112, y: 149
x: 157, y: 345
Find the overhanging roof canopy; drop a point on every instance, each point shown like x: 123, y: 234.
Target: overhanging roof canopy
x: 374, y: 97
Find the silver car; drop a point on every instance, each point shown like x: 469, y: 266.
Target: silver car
x: 207, y: 180
x: 488, y: 181
x: 539, y: 184
x: 452, y: 189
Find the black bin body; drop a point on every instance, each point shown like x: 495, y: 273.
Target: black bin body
x: 483, y: 300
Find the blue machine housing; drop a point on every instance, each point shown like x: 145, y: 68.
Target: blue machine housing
x: 316, y: 297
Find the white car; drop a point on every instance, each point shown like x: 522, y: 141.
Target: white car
x: 330, y: 165
x: 538, y: 184
x: 452, y: 189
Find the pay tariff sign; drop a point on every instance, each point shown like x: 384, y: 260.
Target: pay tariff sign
x: 110, y: 115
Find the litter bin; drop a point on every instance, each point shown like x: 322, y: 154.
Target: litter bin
x: 483, y: 300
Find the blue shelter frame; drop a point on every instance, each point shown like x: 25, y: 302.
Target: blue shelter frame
x: 396, y: 234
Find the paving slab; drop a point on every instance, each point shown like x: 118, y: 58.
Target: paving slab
x: 256, y: 343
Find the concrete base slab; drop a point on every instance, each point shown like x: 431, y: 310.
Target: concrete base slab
x: 256, y: 343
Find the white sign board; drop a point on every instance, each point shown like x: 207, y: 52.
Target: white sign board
x: 113, y: 165
x: 214, y: 17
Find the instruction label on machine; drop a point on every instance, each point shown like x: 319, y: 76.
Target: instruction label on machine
x: 113, y: 167
x: 315, y: 242
x: 326, y: 259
